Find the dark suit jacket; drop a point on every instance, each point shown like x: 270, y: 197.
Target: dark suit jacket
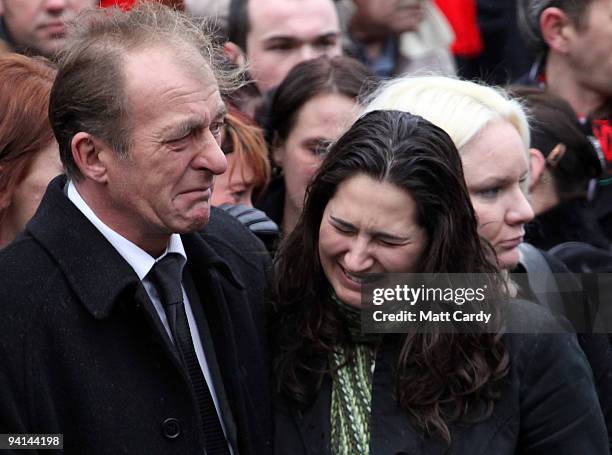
x: 547, y: 405
x: 83, y: 353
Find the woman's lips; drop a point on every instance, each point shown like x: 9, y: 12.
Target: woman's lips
x: 511, y: 243
x: 348, y: 280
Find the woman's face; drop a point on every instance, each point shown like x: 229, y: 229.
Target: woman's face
x: 496, y: 167
x: 28, y: 193
x: 368, y: 227
x: 234, y: 189
x: 320, y: 121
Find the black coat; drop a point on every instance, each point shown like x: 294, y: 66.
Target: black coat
x: 548, y: 405
x: 83, y: 352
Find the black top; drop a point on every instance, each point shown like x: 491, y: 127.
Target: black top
x: 570, y: 221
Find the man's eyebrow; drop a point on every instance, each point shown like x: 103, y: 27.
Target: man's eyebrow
x: 327, y: 36
x: 184, y: 127
x: 221, y: 112
x: 281, y: 39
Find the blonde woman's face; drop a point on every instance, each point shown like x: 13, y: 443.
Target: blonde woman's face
x: 496, y: 169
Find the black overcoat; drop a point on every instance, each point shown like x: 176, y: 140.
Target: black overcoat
x: 83, y: 353
x: 547, y: 405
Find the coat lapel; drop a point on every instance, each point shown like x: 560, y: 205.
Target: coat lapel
x: 213, y: 279
x: 94, y: 270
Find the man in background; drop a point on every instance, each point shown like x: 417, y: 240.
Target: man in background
x: 573, y: 39
x: 38, y: 27
x: 272, y: 36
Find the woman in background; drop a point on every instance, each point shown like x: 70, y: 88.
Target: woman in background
x: 246, y: 177
x: 248, y: 167
x: 563, y: 162
x: 390, y: 197
x: 29, y: 156
x: 315, y: 103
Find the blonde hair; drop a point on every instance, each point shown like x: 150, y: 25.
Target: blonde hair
x: 461, y: 108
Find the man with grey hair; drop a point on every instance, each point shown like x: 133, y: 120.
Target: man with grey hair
x: 132, y: 315
x: 573, y: 39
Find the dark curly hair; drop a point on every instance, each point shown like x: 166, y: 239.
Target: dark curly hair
x: 439, y: 376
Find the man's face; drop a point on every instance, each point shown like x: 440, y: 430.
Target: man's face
x: 590, y: 49
x: 284, y: 33
x: 37, y: 26
x: 176, y: 115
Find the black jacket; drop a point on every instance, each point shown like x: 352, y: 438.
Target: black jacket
x: 84, y: 353
x: 548, y: 405
x: 601, y: 201
x: 570, y: 221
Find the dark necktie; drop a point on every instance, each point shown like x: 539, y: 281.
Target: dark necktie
x: 166, y: 276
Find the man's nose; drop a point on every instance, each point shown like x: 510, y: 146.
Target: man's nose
x: 210, y: 156
x: 55, y: 6
x: 308, y: 52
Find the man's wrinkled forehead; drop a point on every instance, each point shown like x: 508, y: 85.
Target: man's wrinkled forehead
x: 163, y: 69
x: 288, y: 15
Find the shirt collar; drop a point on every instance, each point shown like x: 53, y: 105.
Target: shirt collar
x: 136, y: 257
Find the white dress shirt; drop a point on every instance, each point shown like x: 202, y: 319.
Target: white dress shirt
x: 142, y: 263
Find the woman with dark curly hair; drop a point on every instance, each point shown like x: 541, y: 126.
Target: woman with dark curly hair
x: 390, y: 197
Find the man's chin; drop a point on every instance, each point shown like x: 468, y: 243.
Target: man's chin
x: 192, y: 223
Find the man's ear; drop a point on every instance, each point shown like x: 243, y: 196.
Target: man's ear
x: 89, y: 154
x: 556, y: 27
x: 537, y: 164
x: 233, y: 53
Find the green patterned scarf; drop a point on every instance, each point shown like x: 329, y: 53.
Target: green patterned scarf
x: 351, y: 401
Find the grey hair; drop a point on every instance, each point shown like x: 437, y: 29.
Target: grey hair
x: 89, y: 92
x: 528, y: 18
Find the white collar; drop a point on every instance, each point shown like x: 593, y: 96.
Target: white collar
x: 136, y: 257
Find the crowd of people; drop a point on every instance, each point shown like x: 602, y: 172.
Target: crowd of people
x: 195, y: 197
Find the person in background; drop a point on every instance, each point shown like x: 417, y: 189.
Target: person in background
x: 504, y: 56
x: 563, y: 163
x: 309, y: 110
x: 394, y: 37
x: 29, y: 155
x: 38, y: 27
x: 248, y: 166
x: 390, y: 197
x: 272, y: 36
x: 573, y: 42
x: 491, y: 132
x: 246, y: 177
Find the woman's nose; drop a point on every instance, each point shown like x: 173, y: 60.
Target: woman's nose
x: 358, y: 257
x: 519, y: 210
